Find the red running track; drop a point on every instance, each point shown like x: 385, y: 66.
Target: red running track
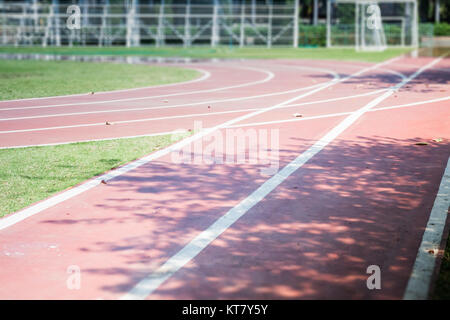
x: 364, y: 199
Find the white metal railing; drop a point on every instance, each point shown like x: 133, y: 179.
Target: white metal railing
x: 134, y: 25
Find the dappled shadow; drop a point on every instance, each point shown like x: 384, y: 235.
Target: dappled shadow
x: 355, y: 204
x: 429, y: 81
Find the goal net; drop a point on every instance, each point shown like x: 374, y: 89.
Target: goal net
x: 372, y: 25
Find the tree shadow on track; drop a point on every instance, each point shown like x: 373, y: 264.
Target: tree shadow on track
x: 355, y: 204
x: 429, y: 81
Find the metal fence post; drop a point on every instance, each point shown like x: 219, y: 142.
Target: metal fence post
x: 269, y: 29
x: 4, y: 39
x: 242, y: 29
x: 437, y: 11
x: 215, y: 22
x: 160, y: 39
x: 56, y: 28
x: 416, y: 25
x: 316, y: 12
x: 296, y: 13
x: 49, y: 26
x: 187, y: 25
x: 328, y: 24
x: 132, y: 32
x: 357, y: 24
x: 103, y: 27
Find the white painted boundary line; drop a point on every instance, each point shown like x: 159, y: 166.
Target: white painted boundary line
x: 164, y: 107
x: 184, y: 104
x: 335, y: 75
x: 412, y: 104
x: 150, y: 283
x: 34, y: 209
x: 95, y: 140
x: 205, y: 75
x: 269, y: 77
x: 420, y: 280
x: 130, y: 121
x: 264, y: 123
x: 216, y: 101
x: 330, y: 115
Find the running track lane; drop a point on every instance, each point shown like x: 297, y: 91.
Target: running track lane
x: 363, y: 200
x: 254, y: 87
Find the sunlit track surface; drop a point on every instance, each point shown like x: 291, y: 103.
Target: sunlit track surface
x: 230, y: 90
x: 224, y: 91
x: 362, y: 199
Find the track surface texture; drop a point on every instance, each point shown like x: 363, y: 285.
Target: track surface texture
x: 353, y: 189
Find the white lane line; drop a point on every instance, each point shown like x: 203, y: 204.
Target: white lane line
x: 185, y: 104
x: 150, y: 283
x: 163, y: 107
x: 265, y: 123
x: 269, y: 76
x: 371, y: 93
x: 50, y: 202
x: 196, y: 114
x: 168, y: 107
x: 205, y: 75
x: 419, y: 282
x: 210, y: 102
x: 330, y: 115
x: 94, y: 140
x: 413, y: 104
x: 130, y: 121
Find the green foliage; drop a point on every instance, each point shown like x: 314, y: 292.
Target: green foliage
x: 442, y: 29
x: 426, y: 29
x: 312, y: 36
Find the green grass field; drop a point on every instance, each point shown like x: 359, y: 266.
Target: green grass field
x: 31, y: 79
x: 31, y: 174
x: 218, y: 52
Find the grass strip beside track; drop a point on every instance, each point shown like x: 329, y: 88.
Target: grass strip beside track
x: 220, y: 52
x: 31, y: 79
x: 442, y: 287
x: 32, y: 174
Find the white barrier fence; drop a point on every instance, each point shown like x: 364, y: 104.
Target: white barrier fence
x: 142, y: 24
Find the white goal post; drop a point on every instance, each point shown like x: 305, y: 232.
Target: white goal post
x: 372, y: 25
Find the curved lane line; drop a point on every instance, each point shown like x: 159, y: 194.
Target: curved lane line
x: 270, y: 75
x: 205, y: 75
x: 52, y: 201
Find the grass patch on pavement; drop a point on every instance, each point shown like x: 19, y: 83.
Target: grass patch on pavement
x: 31, y: 174
x: 30, y: 79
x: 220, y: 52
x: 442, y: 288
